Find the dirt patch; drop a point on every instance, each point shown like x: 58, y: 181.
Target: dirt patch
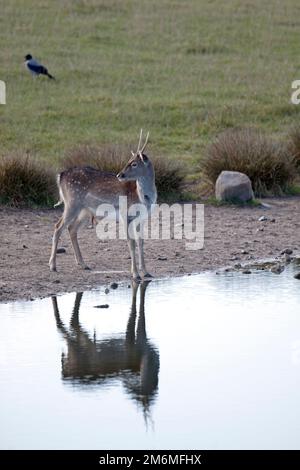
x: 232, y: 235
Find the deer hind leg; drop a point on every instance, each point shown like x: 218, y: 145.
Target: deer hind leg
x: 139, y: 237
x: 142, y: 265
x: 73, y: 230
x: 68, y: 216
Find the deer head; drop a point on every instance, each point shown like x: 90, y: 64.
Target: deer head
x: 138, y: 165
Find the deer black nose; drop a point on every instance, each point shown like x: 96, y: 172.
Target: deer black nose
x: 120, y: 176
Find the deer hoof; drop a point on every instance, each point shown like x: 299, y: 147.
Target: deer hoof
x: 53, y: 269
x: 86, y: 268
x: 147, y: 276
x: 136, y: 277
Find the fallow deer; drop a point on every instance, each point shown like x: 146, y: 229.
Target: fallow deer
x: 83, y: 189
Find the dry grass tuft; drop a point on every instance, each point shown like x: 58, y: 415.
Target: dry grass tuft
x: 25, y: 182
x: 268, y: 164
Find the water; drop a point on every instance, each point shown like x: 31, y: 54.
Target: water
x: 206, y: 361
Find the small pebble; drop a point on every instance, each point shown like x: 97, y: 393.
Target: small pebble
x: 101, y: 306
x: 60, y: 250
x: 246, y: 271
x: 162, y: 258
x: 106, y: 290
x: 287, y: 251
x: 297, y: 276
x: 277, y: 269
x: 114, y: 285
x: 263, y: 218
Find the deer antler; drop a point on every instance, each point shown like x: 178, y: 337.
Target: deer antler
x: 140, y: 140
x: 139, y: 150
x: 145, y: 144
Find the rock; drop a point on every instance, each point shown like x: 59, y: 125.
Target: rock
x: 260, y: 229
x: 265, y: 205
x: 24, y: 246
x: 287, y: 251
x: 60, y: 250
x: 101, y: 306
x: 233, y: 186
x: 287, y: 258
x: 245, y: 252
x: 263, y: 218
x: 237, y: 266
x: 106, y: 290
x: 114, y: 285
x: 297, y: 276
x: 246, y: 271
x: 277, y: 269
x: 272, y: 220
x: 162, y: 258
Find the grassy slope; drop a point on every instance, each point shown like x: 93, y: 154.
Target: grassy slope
x: 183, y: 69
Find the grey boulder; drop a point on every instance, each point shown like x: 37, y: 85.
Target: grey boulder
x: 233, y: 186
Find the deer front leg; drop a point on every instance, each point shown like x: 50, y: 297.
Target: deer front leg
x: 134, y: 270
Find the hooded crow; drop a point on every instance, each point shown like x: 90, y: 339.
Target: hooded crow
x: 35, y: 68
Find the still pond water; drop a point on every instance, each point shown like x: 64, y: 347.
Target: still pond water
x: 203, y: 362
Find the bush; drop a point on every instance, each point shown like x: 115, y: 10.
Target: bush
x: 169, y: 174
x: 268, y: 164
x: 294, y: 145
x: 25, y: 182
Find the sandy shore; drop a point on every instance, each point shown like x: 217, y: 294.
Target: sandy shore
x: 232, y: 235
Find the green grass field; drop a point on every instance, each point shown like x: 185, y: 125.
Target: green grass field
x: 185, y: 70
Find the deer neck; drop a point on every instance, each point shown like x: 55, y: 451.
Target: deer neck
x: 146, y: 188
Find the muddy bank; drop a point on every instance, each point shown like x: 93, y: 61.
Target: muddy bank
x: 232, y: 235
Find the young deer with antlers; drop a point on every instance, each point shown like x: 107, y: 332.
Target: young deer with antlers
x: 83, y: 189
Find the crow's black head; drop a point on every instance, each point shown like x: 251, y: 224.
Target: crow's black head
x: 28, y: 57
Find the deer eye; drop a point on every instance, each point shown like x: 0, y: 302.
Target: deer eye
x: 134, y: 164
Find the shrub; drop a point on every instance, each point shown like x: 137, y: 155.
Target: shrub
x: 294, y: 145
x: 25, y: 182
x: 169, y: 174
x: 268, y: 164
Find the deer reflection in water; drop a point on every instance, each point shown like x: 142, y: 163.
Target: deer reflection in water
x: 129, y: 357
